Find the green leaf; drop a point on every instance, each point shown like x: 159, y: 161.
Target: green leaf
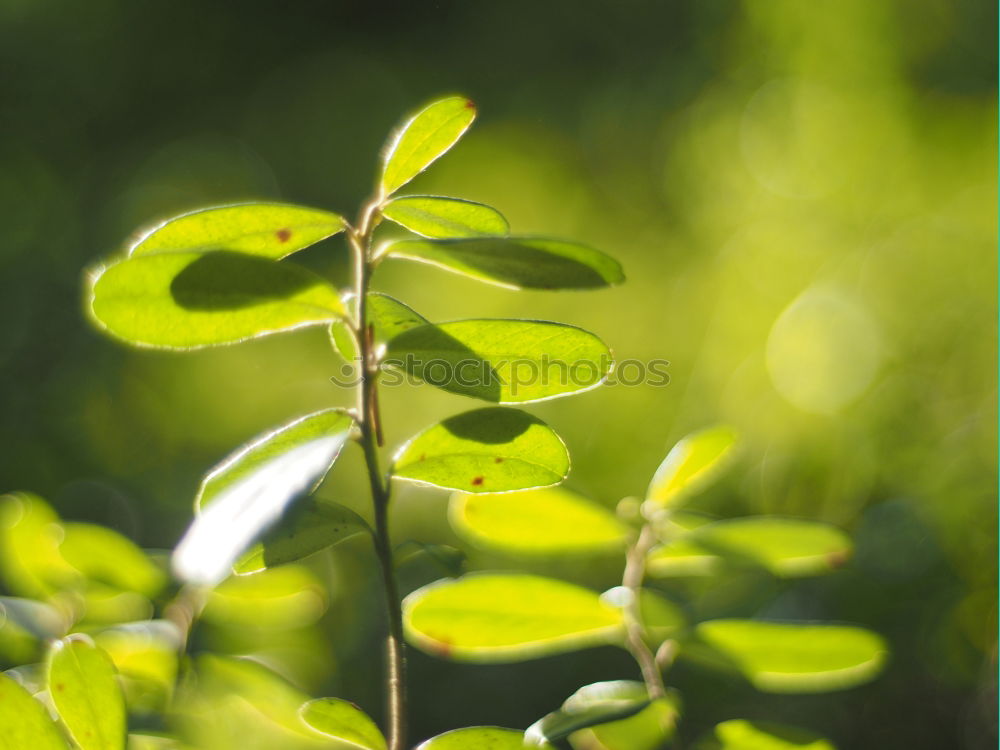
x: 145, y: 655
x: 476, y: 738
x: 592, y: 704
x: 279, y: 598
x: 104, y: 555
x: 30, y: 560
x: 691, y: 464
x: 495, y: 617
x: 270, y: 230
x: 779, y: 657
x: 787, y: 547
x: 84, y: 689
x: 308, y: 527
x: 503, y: 361
x: 423, y: 138
x: 188, y: 300
x: 147, y: 741
x: 438, y: 217
x: 546, y: 522
x: 343, y: 721
x: 486, y: 450
x: 516, y: 262
x: 741, y: 734
x: 388, y: 316
x: 222, y: 678
x: 650, y: 729
x: 24, y: 722
x: 682, y: 557
x: 248, y: 492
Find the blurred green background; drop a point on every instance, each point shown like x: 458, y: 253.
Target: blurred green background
x: 803, y: 195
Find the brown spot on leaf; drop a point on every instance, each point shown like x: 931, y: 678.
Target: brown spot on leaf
x: 283, y: 235
x: 422, y: 456
x: 469, y: 104
x: 476, y: 481
x: 838, y: 559
x: 498, y: 460
x: 60, y: 687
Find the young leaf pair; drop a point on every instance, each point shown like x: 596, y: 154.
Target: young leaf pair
x: 503, y: 617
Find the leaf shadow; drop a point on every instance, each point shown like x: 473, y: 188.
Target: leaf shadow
x: 226, y: 280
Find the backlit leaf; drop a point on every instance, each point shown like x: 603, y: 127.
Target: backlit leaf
x: 270, y: 230
x: 494, y: 617
x: 423, y: 138
x: 343, y: 721
x: 592, y: 704
x: 438, y: 217
x: 516, y: 262
x: 649, y: 729
x: 486, y: 450
x: 104, y: 555
x: 503, y: 361
x: 85, y: 691
x: 741, y: 734
x: 248, y: 492
x: 551, y: 521
x: 476, y: 738
x: 188, y: 300
x: 681, y: 558
x: 780, y: 657
x: 145, y: 655
x: 308, y: 527
x: 388, y: 317
x: 692, y: 463
x: 24, y: 722
x: 30, y: 560
x: 787, y: 547
x: 286, y: 597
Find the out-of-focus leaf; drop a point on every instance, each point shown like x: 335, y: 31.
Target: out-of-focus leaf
x: 552, y: 521
x: 29, y: 547
x: 343, y: 721
x: 660, y: 616
x: 438, y: 217
x: 423, y: 138
x: 498, y: 617
x: 106, y: 556
x: 285, y: 597
x: 486, y: 450
x: 271, y: 230
x: 154, y: 742
x: 145, y: 655
x: 779, y: 657
x: 682, y: 557
x: 596, y: 703
x: 85, y: 692
x: 38, y: 619
x: 787, y: 547
x: 691, y: 464
x: 446, y: 559
x: 189, y: 300
x: 100, y: 604
x: 503, y: 361
x: 24, y: 722
x: 222, y: 678
x: 649, y: 729
x: 516, y: 262
x: 248, y: 492
x: 308, y: 527
x: 741, y: 734
x: 476, y: 738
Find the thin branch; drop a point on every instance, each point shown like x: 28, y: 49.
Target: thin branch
x: 635, y: 630
x: 370, y: 427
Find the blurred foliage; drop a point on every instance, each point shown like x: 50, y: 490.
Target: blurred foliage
x: 804, y: 199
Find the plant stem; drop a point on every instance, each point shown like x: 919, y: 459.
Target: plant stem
x: 369, y: 424
x: 635, y: 630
